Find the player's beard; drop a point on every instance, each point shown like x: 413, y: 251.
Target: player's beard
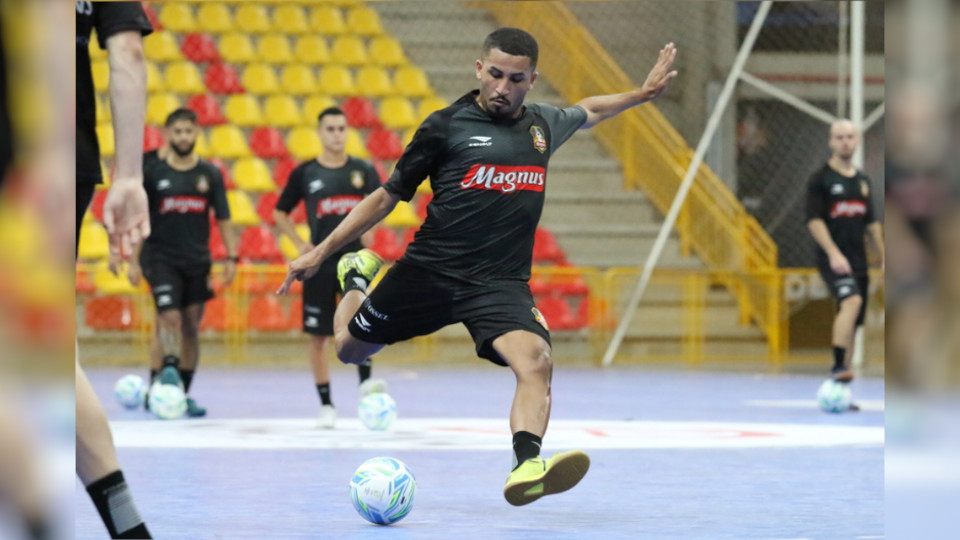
x: 186, y: 152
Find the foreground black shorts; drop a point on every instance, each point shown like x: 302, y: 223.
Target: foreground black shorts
x: 410, y: 301
x: 177, y: 286
x: 845, y: 286
x: 320, y: 296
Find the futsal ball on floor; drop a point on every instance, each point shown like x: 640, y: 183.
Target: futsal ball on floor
x: 834, y: 397
x: 377, y: 411
x: 130, y: 391
x: 382, y: 489
x: 167, y: 401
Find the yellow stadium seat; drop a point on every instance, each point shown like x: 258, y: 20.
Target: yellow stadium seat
x: 327, y: 20
x: 282, y: 111
x: 314, y: 106
x: 286, y: 245
x: 159, y: 106
x: 243, y: 110
x: 154, y: 80
x: 411, y: 81
x: 101, y: 75
x: 374, y: 81
x: 228, y: 142
x: 355, y: 146
x: 260, y: 79
x: 94, y: 243
x: 202, y: 148
x: 184, y: 78
x: 304, y: 143
x: 105, y: 136
x: 177, y: 17
x: 337, y: 81
x: 274, y: 49
x: 408, y: 136
x: 96, y: 53
x: 290, y: 19
x: 428, y: 106
x: 242, y: 211
x: 252, y: 18
x: 107, y: 283
x: 236, y: 48
x: 252, y: 174
x: 349, y: 50
x: 397, y: 113
x: 161, y: 47
x: 386, y: 51
x: 364, y: 21
x: 402, y: 216
x: 105, y: 174
x: 104, y: 114
x: 298, y: 80
x: 311, y: 50
x: 214, y: 18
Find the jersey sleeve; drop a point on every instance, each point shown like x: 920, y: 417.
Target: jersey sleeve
x: 292, y: 192
x: 218, y: 195
x: 816, y: 199
x: 371, y: 179
x: 871, y: 204
x: 563, y: 123
x: 114, y: 17
x: 419, y: 159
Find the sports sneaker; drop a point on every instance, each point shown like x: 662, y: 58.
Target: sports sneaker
x: 365, y: 262
x: 372, y: 386
x: 843, y: 375
x: 194, y: 410
x: 853, y: 407
x: 327, y: 417
x: 537, y: 477
x: 170, y: 375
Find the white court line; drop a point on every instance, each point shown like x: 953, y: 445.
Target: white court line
x: 869, y: 405
x: 866, y: 537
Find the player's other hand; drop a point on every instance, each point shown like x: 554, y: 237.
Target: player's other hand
x: 134, y: 273
x: 126, y: 215
x: 229, y: 273
x: 840, y: 265
x: 660, y: 76
x: 304, y: 267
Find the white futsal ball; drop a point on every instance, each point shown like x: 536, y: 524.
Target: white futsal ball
x: 377, y: 411
x: 382, y: 489
x: 834, y: 397
x: 167, y: 401
x: 130, y: 390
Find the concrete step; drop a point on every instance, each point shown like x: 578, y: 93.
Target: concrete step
x: 574, y: 208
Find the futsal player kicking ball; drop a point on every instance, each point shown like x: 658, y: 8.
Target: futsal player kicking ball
x: 486, y: 156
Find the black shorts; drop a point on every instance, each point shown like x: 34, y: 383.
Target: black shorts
x: 177, y: 286
x: 411, y: 301
x: 320, y: 296
x: 845, y: 286
x: 84, y: 196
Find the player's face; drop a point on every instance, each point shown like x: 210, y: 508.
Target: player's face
x: 843, y: 139
x: 505, y: 80
x: 333, y: 132
x: 183, y: 137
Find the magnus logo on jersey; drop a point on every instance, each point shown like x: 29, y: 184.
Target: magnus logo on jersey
x: 337, y: 206
x: 848, y: 209
x: 504, y: 178
x: 184, y: 205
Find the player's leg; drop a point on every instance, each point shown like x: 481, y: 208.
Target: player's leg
x: 166, y: 286
x: 844, y: 327
x: 355, y: 271
x: 191, y: 316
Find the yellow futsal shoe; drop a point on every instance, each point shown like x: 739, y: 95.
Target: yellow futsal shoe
x: 537, y: 477
x: 366, y: 264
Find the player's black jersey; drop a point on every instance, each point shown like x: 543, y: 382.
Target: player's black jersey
x: 180, y: 203
x: 845, y: 205
x: 151, y: 158
x: 329, y: 195
x: 108, y: 18
x: 488, y: 178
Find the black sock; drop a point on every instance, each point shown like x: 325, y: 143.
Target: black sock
x: 324, y: 391
x: 353, y: 281
x: 364, y: 369
x: 839, y: 353
x: 153, y: 375
x: 39, y: 529
x: 186, y: 375
x: 171, y: 360
x: 115, y: 504
x: 526, y: 445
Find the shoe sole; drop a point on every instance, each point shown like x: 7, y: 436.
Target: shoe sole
x: 565, y: 472
x: 843, y: 376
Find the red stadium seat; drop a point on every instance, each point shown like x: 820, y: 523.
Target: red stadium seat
x: 407, y: 237
x: 571, y: 284
x: 224, y: 171
x: 222, y: 79
x: 266, y: 314
x: 222, y: 314
x: 360, y: 113
x: 384, y: 144
x: 268, y: 143
x: 557, y: 313
x: 295, y: 321
x: 539, y: 286
x: 545, y: 247
x: 258, y: 244
x: 152, y: 138
x: 595, y: 313
x: 96, y: 205
x: 199, y: 48
x: 282, y: 170
x: 385, y: 244
x: 218, y: 251
x: 265, y: 207
x: 207, y: 109
x: 381, y: 171
x: 84, y: 284
x: 152, y: 16
x: 423, y: 200
x: 111, y: 313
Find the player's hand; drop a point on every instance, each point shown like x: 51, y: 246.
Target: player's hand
x: 304, y: 267
x: 840, y: 265
x: 126, y: 215
x: 114, y: 264
x: 134, y: 273
x: 661, y: 75
x: 229, y: 273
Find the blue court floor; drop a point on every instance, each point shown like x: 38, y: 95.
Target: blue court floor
x: 674, y: 455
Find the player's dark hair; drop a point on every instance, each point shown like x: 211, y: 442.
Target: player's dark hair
x: 329, y: 111
x: 180, y: 114
x: 513, y: 41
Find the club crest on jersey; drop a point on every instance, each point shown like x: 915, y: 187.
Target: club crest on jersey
x: 203, y: 185
x: 540, y: 318
x: 864, y: 188
x: 356, y: 179
x: 539, y: 141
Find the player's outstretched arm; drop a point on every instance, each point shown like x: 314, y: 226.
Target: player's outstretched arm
x: 599, y: 108
x: 365, y: 215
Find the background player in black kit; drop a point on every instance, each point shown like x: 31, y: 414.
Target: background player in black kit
x: 120, y: 27
x: 175, y: 260
x: 486, y: 156
x: 331, y: 186
x: 839, y: 215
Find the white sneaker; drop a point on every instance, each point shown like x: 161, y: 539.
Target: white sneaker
x: 372, y: 386
x: 328, y: 415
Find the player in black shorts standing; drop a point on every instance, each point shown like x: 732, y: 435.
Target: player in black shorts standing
x: 486, y: 156
x: 175, y: 260
x: 839, y: 215
x: 331, y: 186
